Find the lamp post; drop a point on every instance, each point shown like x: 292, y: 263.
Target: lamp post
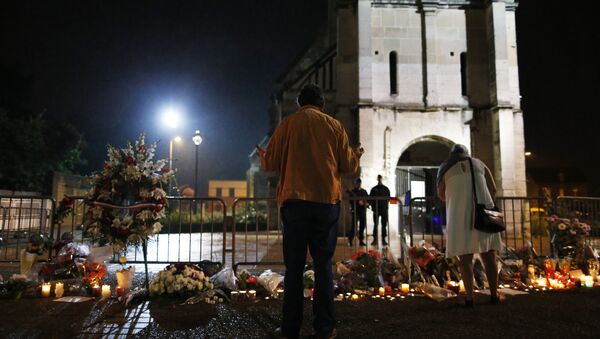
x: 175, y: 139
x: 197, y: 139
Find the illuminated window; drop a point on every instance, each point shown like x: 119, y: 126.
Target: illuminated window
x: 393, y: 72
x: 219, y: 192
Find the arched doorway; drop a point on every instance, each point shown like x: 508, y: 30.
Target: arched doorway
x: 417, y: 167
x: 416, y: 174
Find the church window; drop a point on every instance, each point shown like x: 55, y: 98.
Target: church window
x: 393, y: 72
x: 463, y: 74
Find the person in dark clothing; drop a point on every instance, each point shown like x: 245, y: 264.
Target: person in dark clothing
x: 358, y: 208
x: 380, y: 209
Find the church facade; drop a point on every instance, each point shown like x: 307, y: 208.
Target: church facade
x: 408, y: 79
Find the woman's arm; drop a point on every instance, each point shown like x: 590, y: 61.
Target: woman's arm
x: 489, y: 180
x: 441, y: 190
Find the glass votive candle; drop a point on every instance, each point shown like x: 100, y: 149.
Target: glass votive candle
x: 106, y: 291
x: 234, y: 295
x: 404, y: 288
x: 46, y: 289
x: 252, y: 294
x: 59, y: 289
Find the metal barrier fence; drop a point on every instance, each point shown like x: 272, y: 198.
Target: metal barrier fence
x: 259, y: 221
x: 21, y: 217
x: 249, y: 233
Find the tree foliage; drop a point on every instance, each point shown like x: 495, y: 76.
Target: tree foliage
x: 32, y: 146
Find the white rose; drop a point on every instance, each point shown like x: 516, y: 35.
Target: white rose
x: 199, y: 285
x: 156, y: 227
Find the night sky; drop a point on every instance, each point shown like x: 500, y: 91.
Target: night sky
x: 109, y: 67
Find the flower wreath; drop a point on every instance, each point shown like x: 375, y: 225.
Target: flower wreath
x: 127, y: 200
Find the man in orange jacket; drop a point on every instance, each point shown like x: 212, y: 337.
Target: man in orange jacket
x: 311, y: 152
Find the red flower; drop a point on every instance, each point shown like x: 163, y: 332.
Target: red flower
x: 129, y: 161
x: 251, y: 280
x: 165, y: 169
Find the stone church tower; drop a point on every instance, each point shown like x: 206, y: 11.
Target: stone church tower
x: 410, y: 78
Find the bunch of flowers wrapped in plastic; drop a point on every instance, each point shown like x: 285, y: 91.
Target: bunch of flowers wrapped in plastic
x: 567, y: 235
x: 367, y: 266
x: 127, y: 199
x: 14, y: 286
x: 181, y: 279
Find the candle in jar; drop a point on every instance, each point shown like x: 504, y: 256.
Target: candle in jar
x: 355, y: 297
x: 252, y: 294
x: 105, y: 291
x: 589, y: 281
x: 46, y: 289
x: 381, y: 291
x: 531, y: 271
x: 234, y: 295
x: 404, y: 288
x: 461, y: 287
x: 120, y: 290
x: 95, y: 290
x: 280, y: 294
x: 541, y: 282
x: 59, y: 289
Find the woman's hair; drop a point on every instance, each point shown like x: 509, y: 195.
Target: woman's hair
x: 311, y: 95
x: 459, y: 149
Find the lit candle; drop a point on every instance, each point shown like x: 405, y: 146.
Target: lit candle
x: 234, y: 295
x: 106, y: 291
x: 252, y: 294
x: 404, y: 288
x: 46, y: 289
x: 381, y: 291
x: 59, y: 289
x: 120, y: 290
x: 531, y: 271
x: 280, y: 294
x: 355, y: 297
x: 96, y: 290
x: 588, y: 282
x: 461, y: 287
x: 453, y: 286
x: 541, y: 282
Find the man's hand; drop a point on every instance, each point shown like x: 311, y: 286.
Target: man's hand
x: 261, y: 152
x: 358, y: 150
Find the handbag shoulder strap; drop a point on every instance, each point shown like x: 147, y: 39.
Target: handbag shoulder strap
x: 473, y: 180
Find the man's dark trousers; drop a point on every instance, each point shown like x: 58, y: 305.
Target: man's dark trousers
x: 312, y: 225
x: 383, y: 213
x: 359, y: 217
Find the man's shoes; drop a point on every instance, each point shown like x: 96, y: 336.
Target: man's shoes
x: 362, y: 243
x: 330, y: 335
x: 374, y: 242
x: 384, y: 243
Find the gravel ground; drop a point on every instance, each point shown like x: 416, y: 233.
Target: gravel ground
x: 548, y: 314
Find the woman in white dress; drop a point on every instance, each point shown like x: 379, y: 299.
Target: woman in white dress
x: 454, y: 186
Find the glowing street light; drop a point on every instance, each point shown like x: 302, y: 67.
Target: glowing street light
x: 171, y: 116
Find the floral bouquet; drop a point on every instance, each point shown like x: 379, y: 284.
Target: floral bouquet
x: 308, y: 280
x: 127, y: 200
x: 14, y: 287
x: 181, y: 279
x: 92, y: 273
x: 64, y: 209
x: 567, y: 235
x: 367, y: 266
x: 246, y: 280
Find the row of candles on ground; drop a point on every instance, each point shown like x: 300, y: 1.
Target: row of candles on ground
x: 103, y: 291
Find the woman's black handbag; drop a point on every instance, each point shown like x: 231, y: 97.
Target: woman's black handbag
x: 486, y: 220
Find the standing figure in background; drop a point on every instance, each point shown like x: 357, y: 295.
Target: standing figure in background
x: 380, y: 209
x: 455, y: 187
x: 358, y: 208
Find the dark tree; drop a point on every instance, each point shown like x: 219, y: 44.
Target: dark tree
x: 31, y: 146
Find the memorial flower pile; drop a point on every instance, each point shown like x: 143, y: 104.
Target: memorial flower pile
x: 180, y: 279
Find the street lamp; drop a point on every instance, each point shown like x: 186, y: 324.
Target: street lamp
x: 197, y: 139
x: 175, y: 139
